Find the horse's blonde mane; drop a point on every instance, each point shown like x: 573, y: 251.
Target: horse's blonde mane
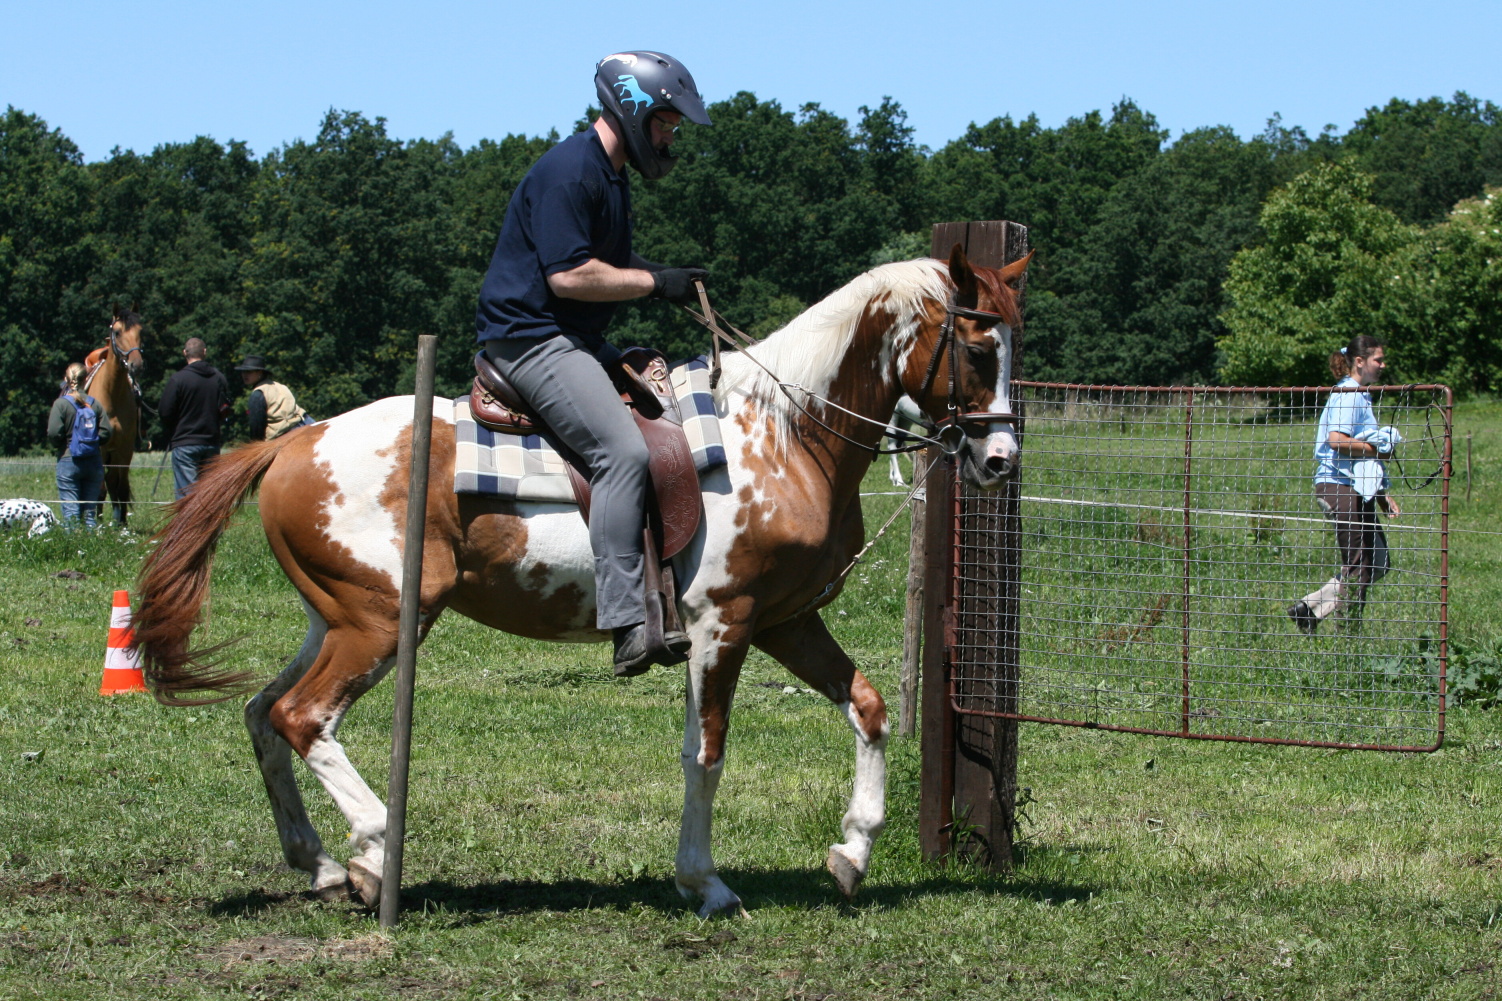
x: 809, y: 350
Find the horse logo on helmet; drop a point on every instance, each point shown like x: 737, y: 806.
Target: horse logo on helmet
x: 627, y: 89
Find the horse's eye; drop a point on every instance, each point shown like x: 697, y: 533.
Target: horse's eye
x: 977, y: 352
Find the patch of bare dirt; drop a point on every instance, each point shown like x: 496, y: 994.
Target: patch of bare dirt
x: 291, y: 949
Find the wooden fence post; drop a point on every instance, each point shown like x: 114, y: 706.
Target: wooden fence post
x: 407, y: 638
x: 969, y: 772
x: 912, y: 633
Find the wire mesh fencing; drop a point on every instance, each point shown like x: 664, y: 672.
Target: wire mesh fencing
x: 1164, y: 566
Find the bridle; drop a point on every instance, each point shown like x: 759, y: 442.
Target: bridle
x: 123, y: 355
x: 951, y: 434
x: 951, y: 430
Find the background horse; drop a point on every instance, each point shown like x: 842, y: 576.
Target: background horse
x: 781, y: 521
x: 114, y: 381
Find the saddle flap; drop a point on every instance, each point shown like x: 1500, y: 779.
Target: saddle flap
x: 675, y: 483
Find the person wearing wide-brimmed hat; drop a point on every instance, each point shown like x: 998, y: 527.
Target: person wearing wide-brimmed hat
x: 271, y: 409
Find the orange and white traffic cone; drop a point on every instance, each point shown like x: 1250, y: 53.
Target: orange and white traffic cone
x: 122, y: 671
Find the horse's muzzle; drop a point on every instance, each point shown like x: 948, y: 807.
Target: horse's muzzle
x: 991, y: 461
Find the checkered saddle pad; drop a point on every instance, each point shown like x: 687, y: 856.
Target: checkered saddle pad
x: 527, y: 468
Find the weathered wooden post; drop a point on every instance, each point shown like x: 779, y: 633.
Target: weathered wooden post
x: 969, y: 771
x: 407, y: 630
x: 912, y: 632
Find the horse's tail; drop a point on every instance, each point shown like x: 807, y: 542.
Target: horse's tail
x: 174, y: 581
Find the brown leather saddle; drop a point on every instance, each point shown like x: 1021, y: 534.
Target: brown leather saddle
x: 674, y: 504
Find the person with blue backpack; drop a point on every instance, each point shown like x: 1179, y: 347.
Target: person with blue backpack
x: 77, y: 427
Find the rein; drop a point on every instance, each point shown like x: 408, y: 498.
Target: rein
x: 951, y: 436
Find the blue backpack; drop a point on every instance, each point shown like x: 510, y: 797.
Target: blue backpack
x: 85, y: 440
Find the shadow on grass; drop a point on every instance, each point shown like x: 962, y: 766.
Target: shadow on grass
x: 807, y: 889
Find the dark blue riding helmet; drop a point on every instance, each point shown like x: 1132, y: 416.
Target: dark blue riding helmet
x: 632, y: 87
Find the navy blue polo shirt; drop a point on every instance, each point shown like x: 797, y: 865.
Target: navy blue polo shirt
x: 573, y: 205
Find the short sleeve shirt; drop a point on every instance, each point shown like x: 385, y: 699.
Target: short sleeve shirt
x: 1350, y: 414
x: 572, y: 206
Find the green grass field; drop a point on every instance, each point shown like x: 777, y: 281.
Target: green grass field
x: 138, y: 858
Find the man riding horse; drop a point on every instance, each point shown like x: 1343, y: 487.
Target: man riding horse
x: 562, y: 261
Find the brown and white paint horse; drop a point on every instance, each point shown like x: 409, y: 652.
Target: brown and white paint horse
x: 781, y: 521
x: 112, y: 381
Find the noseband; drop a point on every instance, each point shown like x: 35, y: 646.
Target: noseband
x: 951, y: 430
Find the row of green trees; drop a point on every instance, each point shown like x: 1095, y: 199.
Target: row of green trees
x: 330, y: 256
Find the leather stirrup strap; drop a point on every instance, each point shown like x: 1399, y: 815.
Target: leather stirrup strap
x: 652, y: 579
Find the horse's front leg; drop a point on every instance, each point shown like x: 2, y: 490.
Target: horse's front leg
x: 713, y: 672
x: 805, y: 647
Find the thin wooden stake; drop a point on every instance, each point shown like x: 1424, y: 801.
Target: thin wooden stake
x: 406, y: 648
x: 1468, y: 465
x: 912, y: 633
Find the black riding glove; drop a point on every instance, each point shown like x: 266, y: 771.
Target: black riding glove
x: 677, y: 284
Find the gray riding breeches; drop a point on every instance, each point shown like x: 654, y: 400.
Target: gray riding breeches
x: 562, y: 379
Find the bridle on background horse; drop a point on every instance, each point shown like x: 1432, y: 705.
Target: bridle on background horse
x: 951, y: 434
x: 124, y: 357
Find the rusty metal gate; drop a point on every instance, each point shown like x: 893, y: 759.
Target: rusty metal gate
x: 1141, y: 577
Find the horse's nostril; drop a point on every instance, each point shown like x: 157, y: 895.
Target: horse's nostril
x: 998, y: 464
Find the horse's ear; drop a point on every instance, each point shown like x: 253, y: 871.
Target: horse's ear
x: 1012, y: 273
x: 960, y: 272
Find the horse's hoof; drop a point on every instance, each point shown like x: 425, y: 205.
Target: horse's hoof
x: 366, y: 879
x: 846, y: 876
x: 335, y: 893
x: 729, y: 908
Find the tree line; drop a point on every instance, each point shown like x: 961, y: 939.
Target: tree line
x: 1159, y: 261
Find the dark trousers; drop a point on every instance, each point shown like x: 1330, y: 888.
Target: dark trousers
x: 565, y: 384
x: 1364, y: 558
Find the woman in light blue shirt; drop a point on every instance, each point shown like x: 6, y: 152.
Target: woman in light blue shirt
x: 1349, y: 487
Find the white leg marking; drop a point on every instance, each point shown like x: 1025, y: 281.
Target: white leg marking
x: 361, y: 807
x: 694, y: 865
x: 866, y: 815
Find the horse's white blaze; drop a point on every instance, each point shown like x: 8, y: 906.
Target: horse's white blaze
x: 1001, y: 437
x: 361, y: 454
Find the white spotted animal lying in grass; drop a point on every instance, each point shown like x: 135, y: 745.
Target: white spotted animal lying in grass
x: 17, y: 512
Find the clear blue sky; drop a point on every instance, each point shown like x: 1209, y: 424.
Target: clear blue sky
x: 136, y: 74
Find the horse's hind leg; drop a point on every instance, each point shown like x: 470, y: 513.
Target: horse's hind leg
x: 353, y: 658
x: 805, y: 647
x: 301, y: 846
